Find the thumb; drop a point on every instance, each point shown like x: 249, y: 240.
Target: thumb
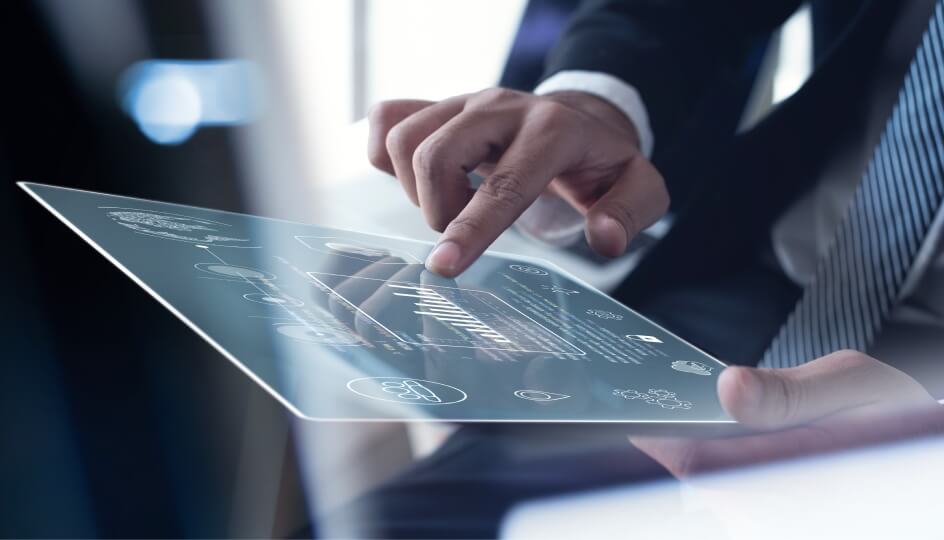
x: 635, y: 201
x: 841, y: 381
x: 758, y: 398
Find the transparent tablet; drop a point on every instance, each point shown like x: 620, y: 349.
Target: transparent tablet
x: 340, y: 325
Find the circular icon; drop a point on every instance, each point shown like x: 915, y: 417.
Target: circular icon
x: 540, y: 395
x: 235, y: 272
x: 525, y: 269
x: 604, y: 314
x: 176, y: 227
x: 273, y: 299
x: 406, y: 390
x: 316, y: 334
x: 687, y: 366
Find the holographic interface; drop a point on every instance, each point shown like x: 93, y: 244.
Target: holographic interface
x: 340, y: 325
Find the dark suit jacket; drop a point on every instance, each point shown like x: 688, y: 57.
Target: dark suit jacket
x: 685, y: 56
x: 690, y: 60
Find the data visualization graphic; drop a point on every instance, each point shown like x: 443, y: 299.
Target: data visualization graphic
x: 474, y: 319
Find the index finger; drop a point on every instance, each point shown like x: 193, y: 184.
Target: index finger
x: 522, y: 173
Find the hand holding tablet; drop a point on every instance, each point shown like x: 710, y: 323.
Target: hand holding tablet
x: 841, y: 400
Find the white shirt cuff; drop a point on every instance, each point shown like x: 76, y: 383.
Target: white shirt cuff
x: 621, y: 95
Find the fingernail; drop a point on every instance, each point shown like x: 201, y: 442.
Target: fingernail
x: 608, y: 234
x: 444, y: 259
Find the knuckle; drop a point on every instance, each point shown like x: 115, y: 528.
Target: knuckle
x: 381, y: 114
x: 377, y: 156
x: 398, y: 140
x: 792, y: 397
x: 851, y: 354
x: 626, y: 216
x: 505, y: 188
x: 498, y: 93
x: 848, y: 353
x: 427, y: 160
x: 631, y: 222
x: 549, y: 115
x: 849, y: 358
x: 492, y: 96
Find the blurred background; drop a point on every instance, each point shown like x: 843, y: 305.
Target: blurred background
x: 116, y: 419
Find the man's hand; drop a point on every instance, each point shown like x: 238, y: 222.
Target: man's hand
x: 572, y: 144
x: 841, y: 400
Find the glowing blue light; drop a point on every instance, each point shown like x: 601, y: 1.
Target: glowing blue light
x: 170, y: 100
x: 167, y: 109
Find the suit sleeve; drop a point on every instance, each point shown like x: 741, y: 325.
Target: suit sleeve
x: 672, y: 52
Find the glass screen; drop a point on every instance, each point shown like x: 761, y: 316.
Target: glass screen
x: 340, y: 325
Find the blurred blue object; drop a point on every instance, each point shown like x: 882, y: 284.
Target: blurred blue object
x: 171, y: 99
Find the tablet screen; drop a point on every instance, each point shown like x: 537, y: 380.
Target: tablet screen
x: 340, y: 325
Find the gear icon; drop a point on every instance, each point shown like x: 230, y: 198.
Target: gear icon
x: 661, y: 394
x: 657, y: 397
x: 671, y: 403
x: 632, y: 394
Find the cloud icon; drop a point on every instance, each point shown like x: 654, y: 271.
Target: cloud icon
x: 687, y: 366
